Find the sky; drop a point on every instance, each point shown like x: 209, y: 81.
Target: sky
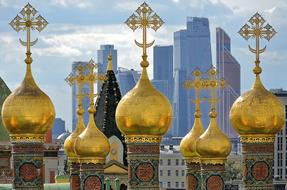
x: 78, y: 27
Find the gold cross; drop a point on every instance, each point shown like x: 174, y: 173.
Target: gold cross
x: 198, y: 84
x: 212, y: 83
x: 90, y: 78
x: 144, y: 18
x: 256, y: 28
x: 78, y: 79
x: 29, y: 20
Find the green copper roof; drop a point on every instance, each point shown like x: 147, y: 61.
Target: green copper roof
x: 4, y: 92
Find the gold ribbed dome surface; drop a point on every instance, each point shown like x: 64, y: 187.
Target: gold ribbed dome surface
x: 28, y: 110
x: 70, y: 141
x: 188, y: 143
x: 213, y: 145
x: 257, y: 111
x: 144, y: 111
x: 92, y: 145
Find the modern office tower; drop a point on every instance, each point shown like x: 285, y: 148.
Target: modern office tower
x: 192, y: 50
x: 58, y: 128
x: 85, y: 102
x: 229, y: 69
x: 163, y: 70
x: 127, y: 79
x: 102, y: 60
x: 280, y: 147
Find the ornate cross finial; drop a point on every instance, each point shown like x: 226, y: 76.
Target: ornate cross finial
x: 198, y: 84
x: 27, y: 21
x: 256, y: 28
x: 213, y: 84
x: 90, y: 78
x: 78, y: 79
x: 144, y: 18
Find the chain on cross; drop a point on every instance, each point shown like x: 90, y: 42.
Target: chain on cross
x: 197, y: 84
x: 258, y: 29
x: 143, y: 18
x: 27, y: 21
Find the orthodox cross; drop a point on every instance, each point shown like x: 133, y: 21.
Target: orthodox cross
x: 90, y: 78
x: 27, y: 21
x: 256, y: 28
x: 212, y: 83
x: 78, y: 79
x: 198, y: 84
x: 143, y: 18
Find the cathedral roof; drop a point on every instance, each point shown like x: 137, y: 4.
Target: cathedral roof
x: 106, y: 105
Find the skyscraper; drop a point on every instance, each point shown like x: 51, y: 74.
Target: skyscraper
x: 163, y: 70
x: 102, y: 57
x: 58, y: 127
x: 127, y: 79
x: 191, y: 50
x: 229, y: 69
x: 85, y: 102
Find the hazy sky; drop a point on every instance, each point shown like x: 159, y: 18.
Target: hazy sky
x: 78, y: 27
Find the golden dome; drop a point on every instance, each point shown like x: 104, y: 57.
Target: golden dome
x: 69, y: 145
x: 28, y: 110
x: 213, y: 146
x: 92, y: 146
x: 144, y: 111
x: 257, y: 111
x: 188, y: 143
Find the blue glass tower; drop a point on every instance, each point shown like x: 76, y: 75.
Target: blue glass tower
x: 192, y: 50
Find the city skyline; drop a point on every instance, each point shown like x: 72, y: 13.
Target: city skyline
x: 55, y: 50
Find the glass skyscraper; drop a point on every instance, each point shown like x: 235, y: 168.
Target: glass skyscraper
x: 163, y: 70
x: 192, y: 50
x: 229, y: 69
x: 127, y: 79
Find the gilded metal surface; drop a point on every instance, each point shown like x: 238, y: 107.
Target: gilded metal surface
x: 92, y: 146
x: 254, y: 138
x: 144, y: 110
x: 14, y: 138
x: 77, y: 79
x: 257, y: 111
x: 110, y: 62
x: 143, y: 139
x: 213, y: 145
x: 144, y: 18
x: 188, y: 143
x: 28, y: 110
x: 256, y: 28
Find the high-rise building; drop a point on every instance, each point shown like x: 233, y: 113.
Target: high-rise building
x: 192, y: 50
x: 163, y: 70
x: 86, y: 101
x: 102, y: 60
x: 127, y: 79
x: 229, y: 69
x: 280, y: 146
x: 58, y: 128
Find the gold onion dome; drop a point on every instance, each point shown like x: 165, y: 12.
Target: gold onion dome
x: 213, y: 146
x: 28, y: 110
x: 188, y: 143
x: 257, y: 111
x: 92, y: 145
x: 144, y: 110
x: 70, y: 141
